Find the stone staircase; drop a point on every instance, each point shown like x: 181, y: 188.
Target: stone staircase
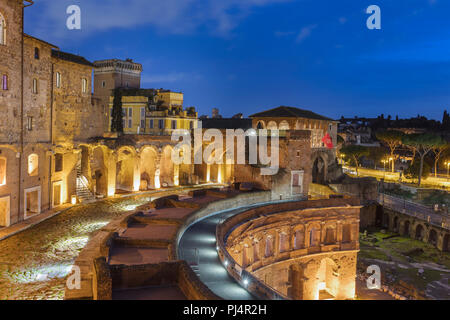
x: 83, y: 192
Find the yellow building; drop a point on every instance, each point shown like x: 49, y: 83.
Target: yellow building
x: 154, y: 112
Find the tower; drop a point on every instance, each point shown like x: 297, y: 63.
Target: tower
x: 112, y: 74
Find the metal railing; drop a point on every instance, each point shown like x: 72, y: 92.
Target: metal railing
x: 415, y: 210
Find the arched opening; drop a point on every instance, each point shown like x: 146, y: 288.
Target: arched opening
x: 272, y: 125
x: 379, y: 216
x: 327, y: 280
x: 432, y: 238
x: 446, y: 243
x: 36, y: 53
x: 167, y: 168
x: 2, y: 30
x: 406, y: 226
x: 125, y: 171
x: 33, y: 165
x: 100, y: 172
x: 420, y: 232
x: 395, y: 224
x: 318, y: 171
x: 148, y: 169
x: 284, y: 125
x: 260, y: 125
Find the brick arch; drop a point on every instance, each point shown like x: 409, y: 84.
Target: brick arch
x: 419, y: 232
x: 446, y: 243
x: 406, y: 228
x: 433, y: 237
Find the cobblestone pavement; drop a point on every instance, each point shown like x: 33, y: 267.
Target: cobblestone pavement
x: 33, y: 263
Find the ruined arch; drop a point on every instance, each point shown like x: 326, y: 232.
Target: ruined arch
x: 395, y: 223
x: 406, y: 227
x: 433, y: 237
x: 260, y: 125
x: 284, y: 125
x: 100, y: 170
x: 167, y: 169
x: 319, y: 170
x: 272, y: 125
x: 327, y: 279
x: 148, y: 165
x: 446, y: 243
x: 420, y: 232
x: 125, y: 169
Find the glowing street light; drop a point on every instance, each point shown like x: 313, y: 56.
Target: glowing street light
x: 448, y: 168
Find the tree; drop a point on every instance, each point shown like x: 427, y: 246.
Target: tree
x: 413, y: 171
x: 423, y: 143
x: 393, y: 139
x: 439, y: 150
x: 376, y: 154
x: 355, y: 153
x: 117, y: 115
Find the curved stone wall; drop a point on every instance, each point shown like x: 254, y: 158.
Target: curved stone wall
x: 294, y: 250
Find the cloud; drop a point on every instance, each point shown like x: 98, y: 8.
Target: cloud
x: 168, y: 16
x: 305, y: 33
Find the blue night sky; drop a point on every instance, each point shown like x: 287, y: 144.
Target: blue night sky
x: 251, y: 55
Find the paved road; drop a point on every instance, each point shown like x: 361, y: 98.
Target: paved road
x: 198, y: 246
x: 34, y: 263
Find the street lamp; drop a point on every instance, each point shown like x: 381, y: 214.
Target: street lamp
x: 448, y: 168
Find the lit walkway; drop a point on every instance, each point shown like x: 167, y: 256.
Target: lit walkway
x: 198, y: 247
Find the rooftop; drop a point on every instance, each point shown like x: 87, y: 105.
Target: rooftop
x: 71, y: 58
x: 41, y: 41
x: 289, y: 112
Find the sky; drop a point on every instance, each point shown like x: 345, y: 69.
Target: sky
x: 246, y: 56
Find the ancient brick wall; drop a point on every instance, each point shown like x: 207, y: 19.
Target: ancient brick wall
x: 10, y: 65
x: 77, y: 116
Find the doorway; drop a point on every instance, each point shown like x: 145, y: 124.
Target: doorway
x: 5, y: 211
x: 32, y: 202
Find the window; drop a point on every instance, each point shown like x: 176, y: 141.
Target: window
x: 150, y: 124
x: 174, y: 124
x: 33, y: 164
x: 58, y: 80
x: 103, y: 84
x: 5, y: 82
x: 2, y: 30
x: 36, y: 53
x: 347, y: 233
x: 84, y: 85
x: 142, y: 118
x: 2, y: 171
x: 58, y: 162
x: 161, y: 124
x: 30, y: 123
x: 34, y: 89
x: 191, y: 125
